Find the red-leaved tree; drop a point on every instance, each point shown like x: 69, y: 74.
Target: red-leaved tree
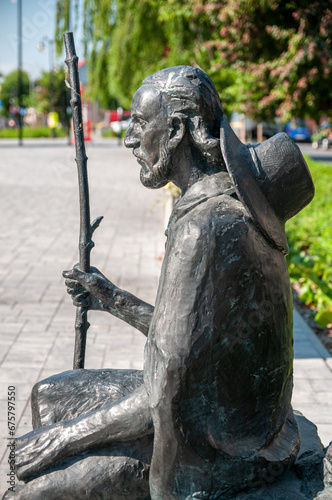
x: 282, y: 51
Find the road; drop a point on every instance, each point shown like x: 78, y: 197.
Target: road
x: 316, y: 154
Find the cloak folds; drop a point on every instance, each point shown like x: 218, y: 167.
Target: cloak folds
x: 221, y: 341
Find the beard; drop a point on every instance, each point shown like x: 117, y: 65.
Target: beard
x: 158, y: 175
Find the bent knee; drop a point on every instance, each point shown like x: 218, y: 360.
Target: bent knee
x: 39, y: 402
x: 46, y: 399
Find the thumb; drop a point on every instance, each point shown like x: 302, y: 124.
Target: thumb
x: 76, y: 274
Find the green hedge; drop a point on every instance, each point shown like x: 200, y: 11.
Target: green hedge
x: 309, y: 236
x: 12, y: 133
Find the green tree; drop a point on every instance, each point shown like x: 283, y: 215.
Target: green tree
x: 49, y: 92
x: 266, y: 57
x: 126, y: 40
x: 9, y: 91
x: 63, y: 8
x: 281, y: 51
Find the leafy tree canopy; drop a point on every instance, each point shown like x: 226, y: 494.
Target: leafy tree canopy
x: 266, y: 57
x: 281, y: 49
x: 9, y: 90
x: 126, y: 40
x: 49, y: 92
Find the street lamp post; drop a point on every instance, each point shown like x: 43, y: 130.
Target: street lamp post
x: 19, y: 72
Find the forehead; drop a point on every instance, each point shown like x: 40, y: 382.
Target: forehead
x: 147, y: 102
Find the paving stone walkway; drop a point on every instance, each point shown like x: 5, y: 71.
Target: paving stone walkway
x: 39, y: 233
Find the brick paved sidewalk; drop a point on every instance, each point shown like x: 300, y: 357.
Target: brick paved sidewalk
x: 39, y: 207
x: 39, y: 238
x: 312, y: 393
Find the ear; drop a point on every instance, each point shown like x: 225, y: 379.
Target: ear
x: 177, y: 129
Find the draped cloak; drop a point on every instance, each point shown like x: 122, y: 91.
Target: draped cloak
x: 218, y: 365
x: 219, y: 353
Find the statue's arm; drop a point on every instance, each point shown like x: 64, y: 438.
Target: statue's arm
x: 128, y: 419
x: 97, y: 292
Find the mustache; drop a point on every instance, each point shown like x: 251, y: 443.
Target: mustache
x: 163, y: 154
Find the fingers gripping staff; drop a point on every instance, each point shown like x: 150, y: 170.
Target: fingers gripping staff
x: 86, y: 229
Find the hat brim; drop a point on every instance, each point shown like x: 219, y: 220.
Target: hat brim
x: 240, y: 163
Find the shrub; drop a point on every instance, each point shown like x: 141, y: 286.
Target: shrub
x: 310, y: 241
x: 28, y: 132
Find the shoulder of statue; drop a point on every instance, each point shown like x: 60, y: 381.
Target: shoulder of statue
x: 221, y: 217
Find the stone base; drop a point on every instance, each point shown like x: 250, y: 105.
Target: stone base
x: 309, y: 478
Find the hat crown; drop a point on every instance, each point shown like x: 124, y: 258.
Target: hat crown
x: 271, y: 179
x: 283, y: 175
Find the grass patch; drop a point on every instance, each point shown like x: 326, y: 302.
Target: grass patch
x: 28, y: 132
x: 309, y: 235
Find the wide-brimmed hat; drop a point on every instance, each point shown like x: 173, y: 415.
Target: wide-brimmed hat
x: 271, y: 179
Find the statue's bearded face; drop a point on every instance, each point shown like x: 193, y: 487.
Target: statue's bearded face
x: 148, y: 135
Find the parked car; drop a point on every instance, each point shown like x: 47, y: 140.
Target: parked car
x: 269, y: 129
x: 238, y: 122
x: 322, y: 137
x: 298, y: 130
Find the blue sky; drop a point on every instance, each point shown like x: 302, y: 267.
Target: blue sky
x: 38, y: 21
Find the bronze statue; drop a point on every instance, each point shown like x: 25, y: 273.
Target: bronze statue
x: 212, y: 409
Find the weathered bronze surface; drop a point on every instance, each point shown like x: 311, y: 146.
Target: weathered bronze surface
x: 86, y: 229
x: 211, y: 413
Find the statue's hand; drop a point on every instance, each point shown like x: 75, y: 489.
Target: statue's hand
x: 92, y: 290
x: 39, y: 449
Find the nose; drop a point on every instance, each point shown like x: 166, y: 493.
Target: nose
x: 131, y: 140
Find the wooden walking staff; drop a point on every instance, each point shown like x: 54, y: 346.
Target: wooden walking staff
x: 86, y: 229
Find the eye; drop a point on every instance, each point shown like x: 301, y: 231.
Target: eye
x: 139, y: 120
